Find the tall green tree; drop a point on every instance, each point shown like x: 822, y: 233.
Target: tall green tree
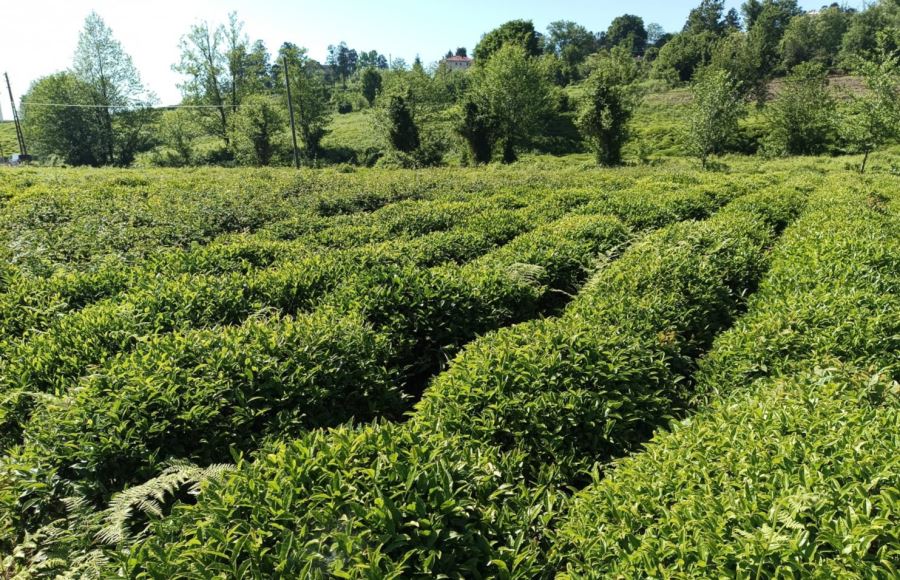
x: 684, y: 54
x: 248, y: 70
x: 342, y: 61
x: 656, y: 34
x: 71, y: 133
x: 871, y: 32
x: 222, y: 68
x: 258, y: 68
x: 477, y: 128
x: 116, y: 92
x: 769, y: 23
x: 177, y: 129
x: 628, y: 31
x: 681, y: 55
x: 259, y: 127
x: 402, y: 130
x: 815, y: 37
x: 512, y: 90
x: 608, y: 104
x: 371, y: 84
x: 710, y: 16
x: 204, y: 61
x: 571, y: 42
x: 714, y: 113
x: 518, y: 32
x: 237, y: 48
x: 309, y: 91
x: 372, y: 59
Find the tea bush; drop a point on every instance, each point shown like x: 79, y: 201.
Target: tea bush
x: 361, y: 508
x: 407, y: 317
x: 790, y: 475
x: 443, y: 372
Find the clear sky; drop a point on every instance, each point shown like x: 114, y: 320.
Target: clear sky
x: 38, y: 37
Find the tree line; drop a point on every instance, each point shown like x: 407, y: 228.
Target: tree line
x: 524, y: 89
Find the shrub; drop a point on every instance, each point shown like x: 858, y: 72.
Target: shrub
x: 786, y: 479
x: 513, y: 98
x: 826, y: 295
x: 194, y: 395
x: 402, y: 132
x: 258, y: 128
x: 475, y: 126
x: 279, y: 377
x: 371, y: 84
x: 871, y: 120
x: 801, y: 117
x: 608, y: 106
x: 714, y: 114
x: 437, y: 500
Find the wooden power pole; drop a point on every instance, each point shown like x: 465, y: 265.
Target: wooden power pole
x: 287, y: 84
x: 23, y: 151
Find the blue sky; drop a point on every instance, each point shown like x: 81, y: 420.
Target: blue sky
x: 38, y: 37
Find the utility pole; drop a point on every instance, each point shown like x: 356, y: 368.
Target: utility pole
x: 23, y: 151
x: 287, y: 84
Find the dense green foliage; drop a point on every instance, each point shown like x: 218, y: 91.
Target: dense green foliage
x: 474, y: 421
x: 8, y: 143
x: 107, y: 124
x: 790, y: 472
x: 873, y: 119
x: 608, y: 106
x: 434, y: 359
x: 513, y: 92
x: 714, y: 114
x: 802, y: 117
x: 403, y: 134
x: 520, y: 33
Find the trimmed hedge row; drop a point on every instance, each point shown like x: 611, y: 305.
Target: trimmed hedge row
x: 159, y: 305
x: 797, y: 479
x: 564, y: 252
x: 596, y: 382
x: 33, y: 303
x: 479, y: 225
x: 48, y: 362
x: 79, y: 219
x: 461, y: 489
x: 124, y: 420
x: 796, y: 475
x: 381, y: 501
x: 827, y: 295
x: 29, y: 303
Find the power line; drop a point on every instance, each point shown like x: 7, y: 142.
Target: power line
x: 83, y: 106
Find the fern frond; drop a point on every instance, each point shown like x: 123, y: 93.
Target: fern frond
x: 149, y: 498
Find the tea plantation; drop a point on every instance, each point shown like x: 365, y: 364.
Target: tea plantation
x: 546, y: 370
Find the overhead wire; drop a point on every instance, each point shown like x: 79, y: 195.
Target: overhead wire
x: 85, y: 106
